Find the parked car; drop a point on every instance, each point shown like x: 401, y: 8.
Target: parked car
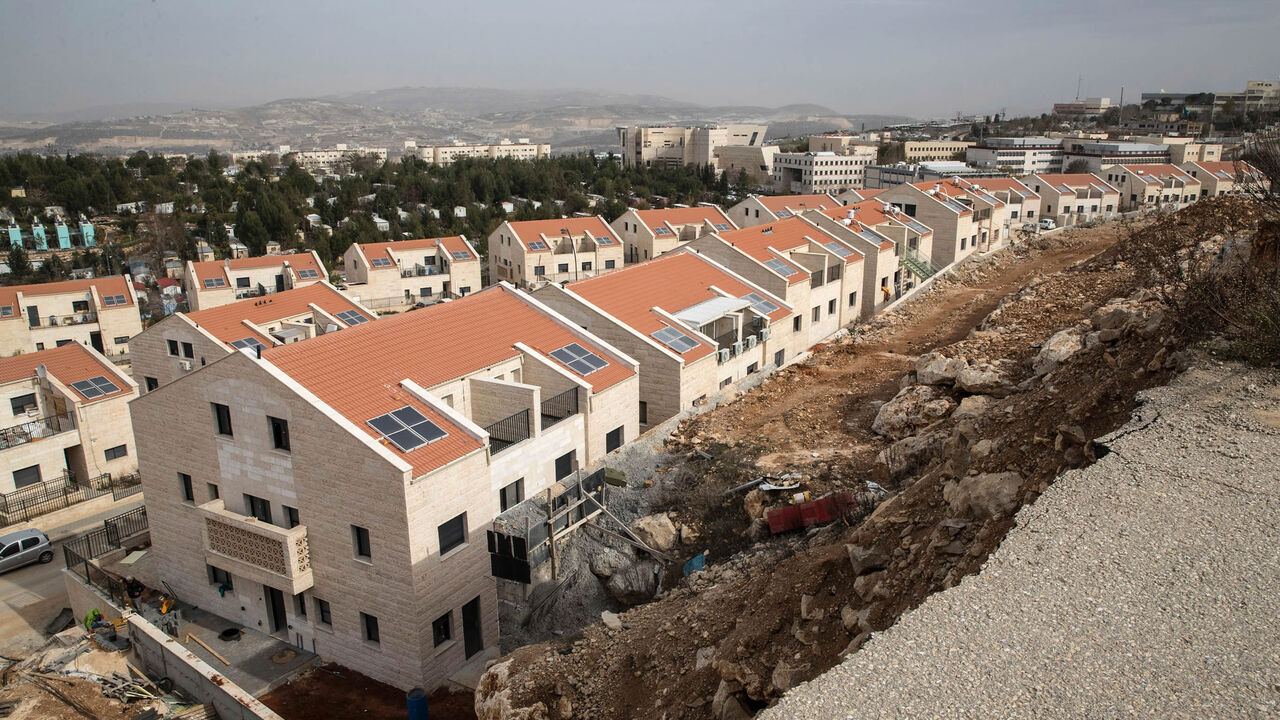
x: 1047, y: 224
x: 24, y: 547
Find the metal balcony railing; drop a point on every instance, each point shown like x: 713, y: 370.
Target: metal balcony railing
x: 753, y: 327
x: 35, y: 429
x: 726, y: 340
x: 78, y: 318
x: 817, y: 278
x: 419, y: 271
x: 508, y: 431
x: 558, y: 407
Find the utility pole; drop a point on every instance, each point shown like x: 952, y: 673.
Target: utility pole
x: 1122, y: 105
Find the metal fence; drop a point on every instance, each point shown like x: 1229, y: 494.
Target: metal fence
x: 558, y: 407
x: 126, y: 485
x: 508, y: 431
x: 35, y: 429
x: 62, y: 492
x: 99, y: 542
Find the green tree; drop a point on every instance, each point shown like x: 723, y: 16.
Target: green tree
x: 251, y: 232
x: 19, y: 264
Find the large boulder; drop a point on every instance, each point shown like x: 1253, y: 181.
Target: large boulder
x: 984, y: 496
x: 938, y: 369
x: 908, y: 456
x: 1114, y: 316
x: 971, y: 407
x: 636, y: 583
x: 607, y: 561
x: 912, y: 408
x: 1057, y: 350
x: 657, y: 531
x: 983, y: 379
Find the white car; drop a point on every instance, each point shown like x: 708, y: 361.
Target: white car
x: 1047, y: 224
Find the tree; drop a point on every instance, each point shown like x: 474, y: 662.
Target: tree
x: 251, y: 232
x: 19, y: 263
x: 1077, y: 166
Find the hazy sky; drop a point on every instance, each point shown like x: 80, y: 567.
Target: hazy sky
x: 916, y: 57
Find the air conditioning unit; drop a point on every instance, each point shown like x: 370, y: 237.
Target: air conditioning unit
x: 764, y: 334
x: 185, y: 365
x: 751, y: 341
x: 722, y: 356
x: 737, y: 348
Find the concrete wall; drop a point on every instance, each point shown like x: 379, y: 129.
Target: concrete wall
x: 150, y: 356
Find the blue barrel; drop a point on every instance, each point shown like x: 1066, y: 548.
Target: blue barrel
x: 417, y: 701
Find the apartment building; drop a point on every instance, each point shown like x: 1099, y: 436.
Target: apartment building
x: 1022, y: 204
x: 839, y: 143
x: 66, y: 419
x: 646, y: 234
x: 694, y: 326
x: 895, y: 250
x: 532, y: 252
x: 218, y: 282
x: 759, y: 209
x: 934, y: 150
x: 1221, y: 178
x: 1073, y: 198
x: 395, y: 276
x: 1099, y: 154
x: 329, y: 158
x: 677, y: 146
x: 821, y: 172
x: 880, y: 177
x: 185, y: 342
x: 336, y: 492
x: 812, y: 271
x: 960, y: 218
x: 521, y: 149
x: 1087, y: 108
x: 1020, y: 155
x: 1152, y: 186
x: 1185, y: 152
x: 99, y: 312
x: 755, y: 160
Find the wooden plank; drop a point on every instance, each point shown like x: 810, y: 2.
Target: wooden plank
x: 213, y: 652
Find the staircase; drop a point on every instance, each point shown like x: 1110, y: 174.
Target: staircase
x: 918, y: 266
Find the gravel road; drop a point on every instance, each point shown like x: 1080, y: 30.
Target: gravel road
x: 1146, y: 585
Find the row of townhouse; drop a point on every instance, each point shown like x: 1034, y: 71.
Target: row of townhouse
x: 532, y: 252
x: 101, y: 313
x: 400, y: 274
x: 212, y: 283
x: 66, y: 413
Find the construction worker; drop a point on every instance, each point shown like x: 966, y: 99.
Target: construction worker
x: 887, y: 293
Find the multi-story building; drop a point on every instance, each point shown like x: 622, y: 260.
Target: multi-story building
x: 1223, y: 178
x: 531, y: 252
x: 839, y: 143
x: 1022, y: 204
x: 1087, y: 108
x: 958, y: 216
x: 821, y: 172
x: 185, y: 342
x: 755, y: 160
x: 1099, y: 154
x: 1186, y: 152
x: 327, y: 159
x: 521, y: 149
x: 677, y: 146
x: 98, y: 312
x: 694, y: 327
x: 1072, y: 198
x: 1019, y: 155
x: 934, y: 150
x: 336, y: 492
x: 1152, y: 186
x: 66, y: 419
x: 880, y: 177
x: 218, y: 282
x: 812, y: 271
x: 400, y: 274
x: 646, y: 234
x: 759, y: 209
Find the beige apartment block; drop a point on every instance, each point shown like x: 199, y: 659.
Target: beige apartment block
x: 101, y: 313
x: 958, y: 228
x: 694, y: 327
x: 759, y: 209
x: 533, y: 252
x: 646, y: 234
x: 1073, y: 198
x: 185, y: 342
x: 218, y: 282
x: 934, y: 150
x: 815, y: 273
x: 755, y: 160
x: 1152, y: 186
x: 395, y: 276
x: 677, y: 146
x: 1022, y: 204
x: 1020, y: 155
x: 1182, y: 153
x: 65, y: 419
x: 1223, y: 178
x: 839, y: 143
x: 1098, y: 154
x: 337, y: 492
x: 521, y: 149
x: 821, y: 172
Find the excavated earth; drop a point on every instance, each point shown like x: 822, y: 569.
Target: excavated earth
x: 984, y: 389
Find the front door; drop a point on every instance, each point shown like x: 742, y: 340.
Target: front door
x: 472, y: 634
x: 280, y: 283
x: 275, y: 608
x: 95, y: 339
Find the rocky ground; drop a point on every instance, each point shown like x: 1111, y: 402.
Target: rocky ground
x: 965, y: 405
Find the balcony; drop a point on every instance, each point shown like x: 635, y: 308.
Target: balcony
x: 261, y: 552
x: 44, y: 427
x: 76, y: 318
x: 508, y: 431
x: 559, y: 407
x: 419, y: 271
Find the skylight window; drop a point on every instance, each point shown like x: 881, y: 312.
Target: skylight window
x: 537, y: 245
x: 6, y: 311
x: 380, y: 262
x: 579, y: 359
x: 839, y: 249
x: 780, y: 267
x: 217, y: 282
x: 661, y: 230
x: 407, y: 429
x: 308, y: 274
x: 95, y: 387
x: 604, y: 240
x: 461, y: 255
x: 759, y: 303
x: 249, y: 344
x: 351, y: 317
x: 675, y: 340
x: 110, y: 300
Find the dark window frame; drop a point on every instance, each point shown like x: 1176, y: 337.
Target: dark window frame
x: 279, y: 433
x: 222, y: 420
x: 450, y: 538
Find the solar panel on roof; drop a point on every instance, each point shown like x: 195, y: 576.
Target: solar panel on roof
x: 722, y: 227
x: 380, y: 262
x: 407, y: 428
x: 838, y: 249
x: 537, y: 245
x: 460, y: 255
x: 215, y: 282
x: 351, y: 317
x: 6, y: 311
x: 780, y: 267
x: 759, y: 303
x: 661, y: 231
x: 783, y: 213
x: 604, y: 240
x: 95, y: 387
x: 1223, y: 174
x: 249, y: 343
x: 111, y: 300
x: 579, y: 359
x: 675, y: 340
x: 308, y: 273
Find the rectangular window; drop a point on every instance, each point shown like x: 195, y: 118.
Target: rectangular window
x: 831, y: 306
x: 613, y: 439
x: 442, y: 629
x: 796, y: 323
x: 222, y: 415
x: 26, y: 476
x: 853, y: 299
x: 725, y: 383
x: 586, y: 265
x: 322, y: 612
x: 644, y: 413
x: 511, y: 495
x: 116, y: 452
x: 300, y: 601
x: 279, y: 433
x: 753, y: 367
x: 564, y: 465
x: 187, y: 493
x: 188, y: 350
x: 778, y: 357
x: 173, y: 348
x: 152, y: 383
x: 218, y: 576
x: 121, y: 340
x: 21, y: 404
x: 453, y: 533
x: 291, y: 516
x: 562, y: 267
x: 817, y: 313
x: 609, y: 264
x: 360, y: 539
x: 214, y: 493
x: 539, y: 270
x: 258, y: 507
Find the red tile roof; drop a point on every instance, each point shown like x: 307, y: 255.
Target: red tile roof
x: 357, y: 371
x: 218, y: 268
x: 768, y: 241
x: 528, y: 231
x: 452, y: 244
x: 672, y: 282
x: 869, y: 213
x: 796, y: 203
x: 1075, y: 180
x: 1227, y: 166
x: 952, y: 189
x: 69, y: 363
x: 113, y: 285
x: 867, y: 194
x: 1006, y: 184
x: 1156, y: 173
x: 684, y: 216
x: 225, y: 322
